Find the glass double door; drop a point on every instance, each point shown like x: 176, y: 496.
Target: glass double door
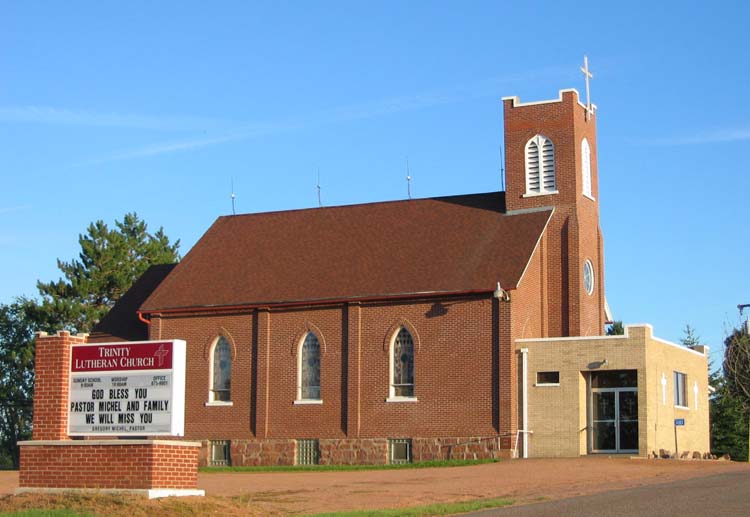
x: 614, y: 419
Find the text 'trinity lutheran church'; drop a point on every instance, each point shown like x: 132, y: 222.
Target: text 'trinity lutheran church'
x: 465, y: 326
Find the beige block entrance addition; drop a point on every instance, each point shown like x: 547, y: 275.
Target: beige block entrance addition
x: 611, y: 394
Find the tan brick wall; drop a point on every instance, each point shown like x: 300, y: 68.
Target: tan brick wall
x: 661, y: 359
x: 559, y: 415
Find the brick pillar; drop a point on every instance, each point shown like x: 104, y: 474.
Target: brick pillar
x: 354, y: 373
x: 52, y: 384
x: 263, y: 361
x: 508, y: 380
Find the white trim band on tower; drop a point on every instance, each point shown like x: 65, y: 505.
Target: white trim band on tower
x: 517, y: 101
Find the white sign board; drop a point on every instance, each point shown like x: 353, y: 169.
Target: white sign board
x: 127, y: 389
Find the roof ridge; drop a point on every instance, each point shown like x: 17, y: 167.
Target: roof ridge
x: 368, y: 203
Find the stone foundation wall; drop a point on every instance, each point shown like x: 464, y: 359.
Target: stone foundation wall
x: 363, y: 451
x: 467, y: 448
x: 262, y: 452
x: 368, y: 451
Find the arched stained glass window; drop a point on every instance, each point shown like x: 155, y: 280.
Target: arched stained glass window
x: 402, y: 383
x: 309, y: 369
x: 222, y: 371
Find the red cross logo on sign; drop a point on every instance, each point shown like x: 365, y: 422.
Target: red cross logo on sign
x: 161, y: 353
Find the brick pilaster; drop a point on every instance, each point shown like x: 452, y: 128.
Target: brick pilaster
x: 52, y: 384
x: 508, y: 420
x: 354, y: 374
x: 263, y: 359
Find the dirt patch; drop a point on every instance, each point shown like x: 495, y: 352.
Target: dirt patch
x: 8, y: 481
x: 283, y: 493
x: 522, y: 481
x: 132, y: 506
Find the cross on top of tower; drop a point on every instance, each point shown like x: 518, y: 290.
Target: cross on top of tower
x: 587, y: 75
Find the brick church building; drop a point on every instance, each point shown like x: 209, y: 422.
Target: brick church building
x: 396, y: 331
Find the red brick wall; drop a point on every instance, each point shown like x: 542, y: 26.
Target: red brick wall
x: 200, y: 333
x: 573, y: 234
x: 51, y: 384
x: 453, y: 361
x: 285, y: 419
x: 591, y: 313
x: 125, y: 466
x: 463, y: 366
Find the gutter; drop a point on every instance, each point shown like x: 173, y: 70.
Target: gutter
x: 305, y: 303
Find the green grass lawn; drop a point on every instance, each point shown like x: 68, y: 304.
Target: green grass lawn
x: 326, y: 468
x: 427, y: 510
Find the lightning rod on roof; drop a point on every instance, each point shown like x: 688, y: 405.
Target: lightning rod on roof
x: 408, y: 179
x: 233, y: 196
x: 320, y: 203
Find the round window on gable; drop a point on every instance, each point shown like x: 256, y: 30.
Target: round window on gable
x: 588, y: 277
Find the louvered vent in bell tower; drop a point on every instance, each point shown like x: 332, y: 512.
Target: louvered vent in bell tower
x: 540, y: 170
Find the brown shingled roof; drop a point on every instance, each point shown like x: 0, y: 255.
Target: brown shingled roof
x: 444, y: 244
x: 121, y: 322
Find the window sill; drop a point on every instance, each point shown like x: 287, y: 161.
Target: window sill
x: 308, y: 402
x: 547, y: 384
x: 402, y: 399
x: 685, y: 408
x: 590, y: 197
x: 537, y: 194
x: 219, y: 403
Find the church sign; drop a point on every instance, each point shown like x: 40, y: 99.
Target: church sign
x: 127, y: 389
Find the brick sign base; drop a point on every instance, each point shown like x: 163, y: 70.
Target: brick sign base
x: 156, y: 468
x: 52, y: 462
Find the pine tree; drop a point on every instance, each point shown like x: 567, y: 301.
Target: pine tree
x: 109, y: 262
x: 616, y: 329
x: 737, y: 378
x: 16, y: 378
x: 690, y: 339
x: 729, y: 421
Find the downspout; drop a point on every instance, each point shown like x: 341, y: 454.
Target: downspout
x: 525, y: 402
x: 144, y: 320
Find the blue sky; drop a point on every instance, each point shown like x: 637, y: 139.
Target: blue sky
x: 156, y: 107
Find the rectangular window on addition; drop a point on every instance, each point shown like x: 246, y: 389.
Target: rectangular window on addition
x: 680, y: 389
x: 547, y: 378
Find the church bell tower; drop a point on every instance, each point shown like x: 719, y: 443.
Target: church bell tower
x: 551, y: 162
